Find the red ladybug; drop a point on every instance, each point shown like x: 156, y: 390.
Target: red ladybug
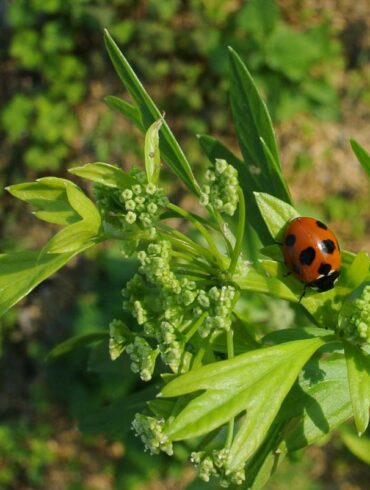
x: 311, y: 252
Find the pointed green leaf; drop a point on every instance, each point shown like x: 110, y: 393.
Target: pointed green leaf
x: 266, y: 398
x: 236, y: 385
x: 275, y: 212
x: 362, y: 155
x: 149, y: 113
x: 279, y: 182
x: 125, y: 109
x: 319, y: 403
x: 258, y: 282
x: 50, y: 196
x: 151, y: 151
x: 74, y: 343
x: 253, y: 122
x: 23, y: 271
x: 103, y: 173
x: 358, y: 371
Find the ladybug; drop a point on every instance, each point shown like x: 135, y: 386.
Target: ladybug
x: 311, y: 252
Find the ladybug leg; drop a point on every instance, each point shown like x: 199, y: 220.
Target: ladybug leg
x: 303, y: 292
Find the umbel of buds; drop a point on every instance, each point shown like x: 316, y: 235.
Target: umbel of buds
x: 354, y: 320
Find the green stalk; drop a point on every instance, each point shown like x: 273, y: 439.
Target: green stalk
x: 230, y: 355
x: 221, y: 225
x: 202, y: 230
x: 239, y: 234
x: 195, y: 326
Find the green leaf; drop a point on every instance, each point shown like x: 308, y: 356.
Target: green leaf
x: 253, y: 125
x: 359, y: 446
x: 258, y: 282
x: 358, y: 371
x: 362, y: 155
x: 275, y: 165
x: 354, y: 274
x: 319, y: 403
x: 256, y: 382
x: 103, y: 173
x: 23, y: 271
x: 275, y: 212
x: 149, y: 113
x: 277, y: 383
x: 151, y: 151
x: 125, y: 109
x: 75, y: 343
x: 81, y: 235
x: 50, y: 195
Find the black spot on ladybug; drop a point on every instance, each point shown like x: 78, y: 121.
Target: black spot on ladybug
x: 307, y: 256
x: 324, y: 269
x: 290, y: 240
x: 322, y: 225
x: 327, y: 246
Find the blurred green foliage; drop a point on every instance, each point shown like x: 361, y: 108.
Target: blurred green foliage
x: 55, y: 64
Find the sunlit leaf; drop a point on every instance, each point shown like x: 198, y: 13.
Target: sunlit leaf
x: 248, y: 382
x: 275, y: 212
x: 149, y: 113
x: 151, y: 151
x: 358, y: 371
x: 23, y: 271
x: 103, y: 173
x: 49, y: 194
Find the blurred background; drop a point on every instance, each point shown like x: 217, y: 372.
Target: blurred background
x: 64, y: 425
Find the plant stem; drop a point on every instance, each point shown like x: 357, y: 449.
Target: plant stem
x: 239, y: 234
x: 221, y: 225
x: 195, y: 326
x: 230, y: 355
x: 202, y: 230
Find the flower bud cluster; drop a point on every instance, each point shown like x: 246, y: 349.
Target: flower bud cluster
x: 151, y: 433
x: 354, y: 321
x: 155, y: 265
x: 213, y: 464
x: 119, y: 336
x: 165, y: 304
x: 221, y: 188
x: 143, y: 358
x: 136, y: 207
x: 218, y: 302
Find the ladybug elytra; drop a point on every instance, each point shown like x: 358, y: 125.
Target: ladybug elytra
x: 311, y: 252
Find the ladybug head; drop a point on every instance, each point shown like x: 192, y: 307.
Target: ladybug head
x: 324, y: 283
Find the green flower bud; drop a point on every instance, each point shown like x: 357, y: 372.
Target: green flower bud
x: 130, y: 218
x: 354, y: 318
x: 127, y: 194
x: 137, y: 189
x: 130, y: 205
x: 151, y: 433
x: 151, y: 188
